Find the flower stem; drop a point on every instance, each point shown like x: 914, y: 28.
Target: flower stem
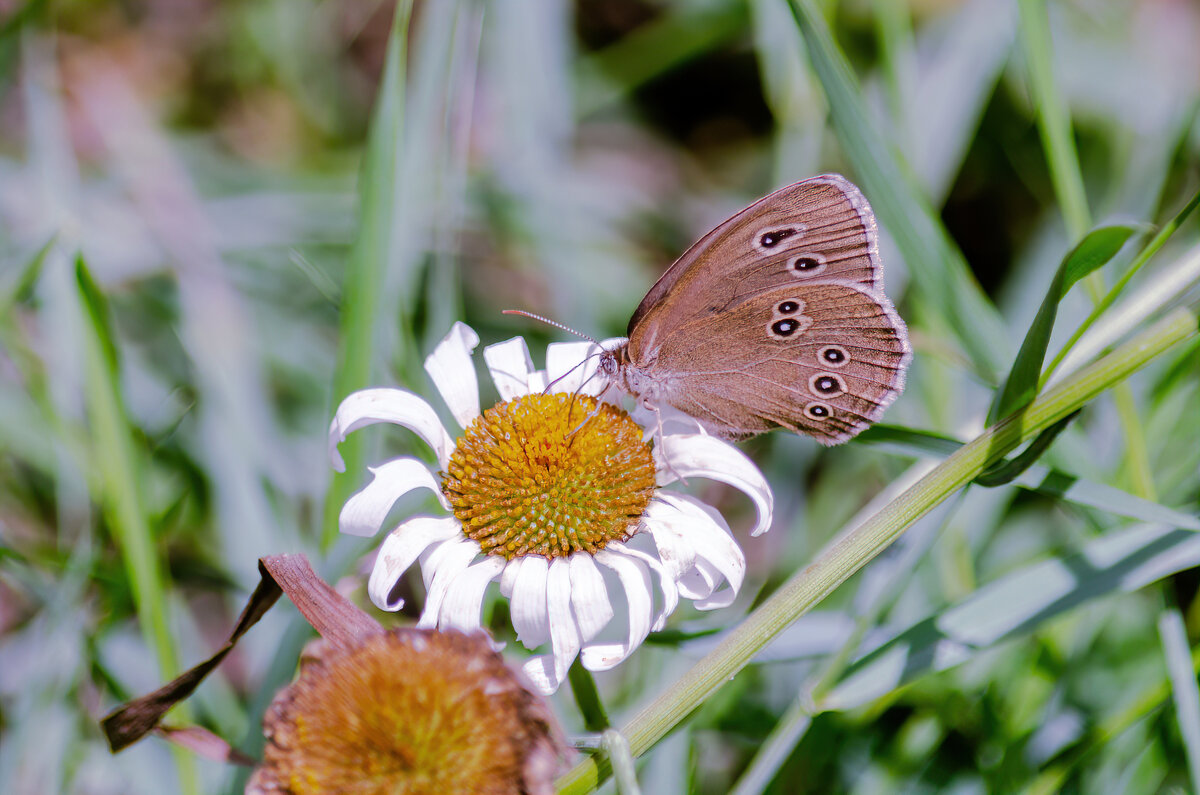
x: 587, y: 698
x: 851, y: 551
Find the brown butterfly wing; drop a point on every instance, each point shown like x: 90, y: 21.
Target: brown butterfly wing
x: 823, y: 358
x: 820, y: 228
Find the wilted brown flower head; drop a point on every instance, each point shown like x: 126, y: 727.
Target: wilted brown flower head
x: 408, y: 711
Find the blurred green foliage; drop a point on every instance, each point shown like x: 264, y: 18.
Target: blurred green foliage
x: 279, y: 202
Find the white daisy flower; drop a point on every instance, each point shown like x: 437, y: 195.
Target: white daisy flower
x: 558, y: 495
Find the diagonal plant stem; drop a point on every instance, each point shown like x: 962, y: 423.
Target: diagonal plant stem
x: 851, y: 551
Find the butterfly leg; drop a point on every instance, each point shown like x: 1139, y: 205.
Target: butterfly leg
x: 660, y: 439
x: 586, y: 419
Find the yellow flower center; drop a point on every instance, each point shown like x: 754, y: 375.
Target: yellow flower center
x: 550, y: 475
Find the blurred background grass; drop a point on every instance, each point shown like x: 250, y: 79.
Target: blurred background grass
x: 217, y: 218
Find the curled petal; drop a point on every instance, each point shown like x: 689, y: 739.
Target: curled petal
x: 589, y: 596
x: 687, y: 519
x: 463, y: 604
x: 694, y: 455
x: 700, y: 582
x: 678, y: 556
x: 369, y: 406
x: 510, y: 366
x: 453, y: 373
x: 670, y: 591
x: 400, y: 549
x: 442, y: 567
x: 530, y: 616
x: 639, y: 595
x: 703, y: 580
x: 364, y: 512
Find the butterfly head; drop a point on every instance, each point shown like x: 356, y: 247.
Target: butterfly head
x: 616, y: 366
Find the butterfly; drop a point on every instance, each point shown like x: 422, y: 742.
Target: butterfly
x: 775, y: 319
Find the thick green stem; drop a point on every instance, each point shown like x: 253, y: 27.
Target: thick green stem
x: 851, y: 551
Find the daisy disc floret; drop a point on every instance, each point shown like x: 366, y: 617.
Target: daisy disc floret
x: 550, y: 475
x: 557, y: 493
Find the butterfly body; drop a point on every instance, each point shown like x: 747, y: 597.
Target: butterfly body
x: 776, y: 318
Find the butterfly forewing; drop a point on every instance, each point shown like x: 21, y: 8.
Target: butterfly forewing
x: 820, y: 228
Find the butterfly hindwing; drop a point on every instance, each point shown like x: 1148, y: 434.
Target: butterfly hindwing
x: 823, y: 358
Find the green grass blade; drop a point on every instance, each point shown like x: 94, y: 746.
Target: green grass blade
x: 959, y: 66
x: 114, y: 458
x: 1177, y: 650
x: 938, y: 268
x: 775, y: 750
x: 1044, y: 480
x: 1096, y: 249
x: 909, y: 441
x: 1104, y: 303
x: 120, y: 484
x: 1016, y: 605
x: 1088, y: 493
x: 1009, y: 469
x: 366, y: 270
x: 21, y: 287
x: 1054, y: 119
x: 684, y: 31
x: 1150, y: 299
x: 790, y: 91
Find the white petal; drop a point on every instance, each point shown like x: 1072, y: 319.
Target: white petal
x: 510, y: 366
x: 400, y: 548
x: 699, y: 582
x: 463, y: 605
x: 604, y: 656
x: 564, y: 631
x: 670, y: 591
x: 509, y: 578
x: 444, y: 565
x: 571, y: 367
x: 711, y: 577
x: 589, y: 596
x: 364, y: 512
x: 694, y: 455
x: 530, y: 616
x: 659, y: 520
x: 705, y: 530
x: 369, y: 406
x: 539, y: 671
x: 635, y: 579
x: 453, y: 372
x: 708, y: 533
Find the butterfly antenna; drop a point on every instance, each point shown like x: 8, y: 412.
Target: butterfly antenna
x: 549, y: 322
